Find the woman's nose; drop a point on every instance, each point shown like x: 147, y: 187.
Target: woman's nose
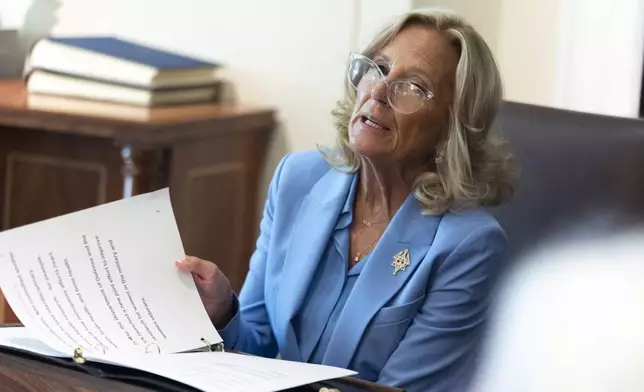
x: 380, y: 91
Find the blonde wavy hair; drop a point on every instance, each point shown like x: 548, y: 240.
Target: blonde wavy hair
x: 473, y: 165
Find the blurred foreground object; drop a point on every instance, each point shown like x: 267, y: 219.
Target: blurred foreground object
x: 11, y: 54
x: 115, y: 70
x: 570, y: 318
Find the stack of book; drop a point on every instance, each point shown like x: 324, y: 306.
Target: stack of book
x: 77, y: 71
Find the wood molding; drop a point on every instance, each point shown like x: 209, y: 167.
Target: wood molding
x: 39, y: 159
x: 214, y: 205
x: 3, y: 308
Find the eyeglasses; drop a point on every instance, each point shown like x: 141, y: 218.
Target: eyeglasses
x: 404, y: 96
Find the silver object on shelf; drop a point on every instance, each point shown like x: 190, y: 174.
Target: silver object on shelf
x: 12, y: 57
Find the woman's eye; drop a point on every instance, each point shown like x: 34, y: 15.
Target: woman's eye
x: 383, y: 68
x: 418, y: 85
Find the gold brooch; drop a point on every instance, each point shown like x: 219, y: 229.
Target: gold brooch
x: 401, y: 261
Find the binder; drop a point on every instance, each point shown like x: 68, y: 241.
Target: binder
x: 79, y: 356
x: 137, y: 377
x: 101, y: 370
x: 159, y: 383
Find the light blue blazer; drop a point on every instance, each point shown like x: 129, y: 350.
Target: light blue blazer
x: 417, y: 330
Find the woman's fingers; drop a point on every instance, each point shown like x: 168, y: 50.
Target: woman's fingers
x: 183, y: 266
x: 213, y: 287
x: 202, y: 268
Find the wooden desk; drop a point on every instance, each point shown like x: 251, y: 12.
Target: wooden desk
x: 55, y: 161
x: 20, y: 374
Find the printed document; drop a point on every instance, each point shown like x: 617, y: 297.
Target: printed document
x: 104, y: 280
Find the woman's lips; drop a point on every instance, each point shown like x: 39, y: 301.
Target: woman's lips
x: 369, y: 122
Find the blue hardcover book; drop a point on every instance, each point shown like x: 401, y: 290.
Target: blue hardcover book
x: 130, y: 51
x: 121, y: 62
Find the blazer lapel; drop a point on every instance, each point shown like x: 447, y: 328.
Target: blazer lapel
x: 410, y: 230
x: 311, y: 231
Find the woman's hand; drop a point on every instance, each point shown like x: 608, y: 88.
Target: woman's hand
x: 213, y: 287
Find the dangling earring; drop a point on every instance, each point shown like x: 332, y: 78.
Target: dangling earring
x: 438, y: 156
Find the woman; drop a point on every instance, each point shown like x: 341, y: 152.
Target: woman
x: 378, y: 255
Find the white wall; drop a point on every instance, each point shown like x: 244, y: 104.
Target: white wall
x: 528, y: 49
x: 372, y: 15
x: 484, y: 15
x: 12, y: 12
x: 583, y: 55
x: 524, y: 46
x: 601, y: 49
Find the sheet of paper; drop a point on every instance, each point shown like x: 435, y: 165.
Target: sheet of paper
x: 22, y: 338
x: 104, y: 279
x: 227, y: 372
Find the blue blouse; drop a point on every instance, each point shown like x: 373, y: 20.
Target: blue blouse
x: 335, y: 261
